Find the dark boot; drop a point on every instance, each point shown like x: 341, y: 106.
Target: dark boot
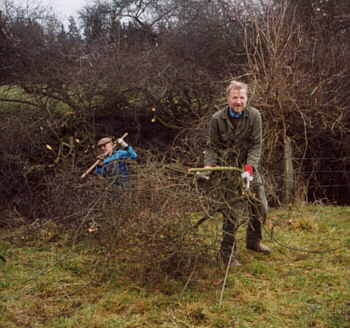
x: 254, y: 237
x: 225, y: 257
x: 258, y: 246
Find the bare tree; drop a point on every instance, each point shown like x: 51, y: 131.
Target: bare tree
x: 295, y: 85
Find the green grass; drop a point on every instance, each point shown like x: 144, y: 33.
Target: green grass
x: 16, y: 93
x: 48, y: 284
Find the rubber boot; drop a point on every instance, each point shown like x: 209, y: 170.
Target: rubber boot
x: 254, y: 237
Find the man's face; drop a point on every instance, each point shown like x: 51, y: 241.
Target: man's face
x: 106, y: 148
x: 237, y: 99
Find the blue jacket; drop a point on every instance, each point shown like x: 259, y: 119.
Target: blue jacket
x: 115, y: 165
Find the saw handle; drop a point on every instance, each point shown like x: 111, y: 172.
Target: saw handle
x: 123, y: 136
x: 88, y: 171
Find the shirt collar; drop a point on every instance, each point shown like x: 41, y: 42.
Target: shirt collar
x: 233, y: 114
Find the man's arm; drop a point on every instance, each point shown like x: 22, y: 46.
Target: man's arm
x: 211, y: 153
x: 127, y: 153
x: 254, y: 152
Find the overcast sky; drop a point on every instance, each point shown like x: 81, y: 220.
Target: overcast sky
x: 66, y: 8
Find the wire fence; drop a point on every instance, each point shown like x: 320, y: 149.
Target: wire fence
x: 320, y: 172
x: 312, y: 168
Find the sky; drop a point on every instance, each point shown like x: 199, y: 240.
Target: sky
x: 66, y: 8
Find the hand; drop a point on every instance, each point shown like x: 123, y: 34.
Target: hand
x: 122, y: 143
x: 248, y: 172
x: 101, y: 157
x: 203, y: 175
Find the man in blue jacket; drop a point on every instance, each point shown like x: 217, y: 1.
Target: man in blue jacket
x: 113, y: 162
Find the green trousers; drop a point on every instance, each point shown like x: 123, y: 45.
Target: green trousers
x: 239, y: 207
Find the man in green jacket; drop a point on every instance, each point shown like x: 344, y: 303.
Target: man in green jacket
x: 235, y: 139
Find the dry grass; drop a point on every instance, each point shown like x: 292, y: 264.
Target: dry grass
x: 48, y: 284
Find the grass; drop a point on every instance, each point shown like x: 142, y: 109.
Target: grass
x: 45, y: 283
x: 15, y: 93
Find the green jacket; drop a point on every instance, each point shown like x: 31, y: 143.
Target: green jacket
x: 235, y: 141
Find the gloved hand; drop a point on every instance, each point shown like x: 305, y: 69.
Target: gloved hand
x: 122, y: 143
x: 203, y: 175
x: 248, y: 173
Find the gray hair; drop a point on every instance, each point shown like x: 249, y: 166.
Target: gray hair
x: 236, y: 85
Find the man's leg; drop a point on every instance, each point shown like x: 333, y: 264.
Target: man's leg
x: 235, y: 215
x: 258, y: 212
x: 228, y: 243
x: 234, y: 209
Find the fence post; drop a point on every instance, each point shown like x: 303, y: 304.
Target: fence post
x: 288, y: 172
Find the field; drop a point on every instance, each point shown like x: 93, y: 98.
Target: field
x: 44, y: 282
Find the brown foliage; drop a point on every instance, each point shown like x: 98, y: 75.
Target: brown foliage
x: 300, y: 91
x: 179, y: 62
x: 147, y: 228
